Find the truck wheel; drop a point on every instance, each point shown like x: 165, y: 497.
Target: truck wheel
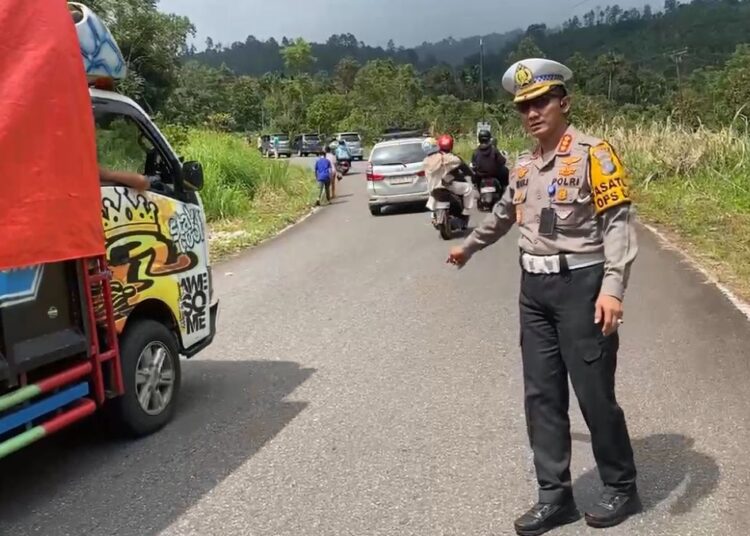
x: 375, y: 210
x: 151, y: 374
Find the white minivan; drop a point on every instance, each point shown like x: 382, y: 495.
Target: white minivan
x: 395, y: 174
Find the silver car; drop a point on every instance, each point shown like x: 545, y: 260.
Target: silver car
x: 353, y: 143
x: 395, y: 174
x: 284, y: 147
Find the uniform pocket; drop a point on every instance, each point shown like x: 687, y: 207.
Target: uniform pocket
x: 590, y: 348
x: 567, y: 206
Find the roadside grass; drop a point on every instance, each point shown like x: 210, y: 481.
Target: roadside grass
x: 691, y: 184
x: 247, y: 198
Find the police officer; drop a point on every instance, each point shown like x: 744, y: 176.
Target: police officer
x: 572, y: 205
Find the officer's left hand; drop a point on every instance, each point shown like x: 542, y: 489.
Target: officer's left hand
x: 609, y: 312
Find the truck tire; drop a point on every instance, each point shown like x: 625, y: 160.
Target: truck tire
x: 151, y: 374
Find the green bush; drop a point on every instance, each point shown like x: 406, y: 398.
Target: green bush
x: 235, y: 171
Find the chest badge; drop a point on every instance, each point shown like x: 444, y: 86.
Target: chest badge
x: 568, y: 171
x: 522, y: 172
x: 562, y: 194
x: 565, y: 143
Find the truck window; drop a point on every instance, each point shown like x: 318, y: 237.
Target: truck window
x: 122, y: 145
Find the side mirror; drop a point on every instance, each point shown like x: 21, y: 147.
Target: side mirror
x: 192, y: 175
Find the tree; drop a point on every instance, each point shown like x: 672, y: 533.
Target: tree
x: 151, y: 42
x: 201, y: 92
x: 572, y: 24
x: 440, y: 80
x: 670, y: 6
x: 246, y: 103
x: 326, y: 111
x: 647, y: 12
x: 297, y: 55
x: 527, y: 48
x: 345, y: 74
x: 734, y: 84
x: 613, y: 14
x: 589, y: 19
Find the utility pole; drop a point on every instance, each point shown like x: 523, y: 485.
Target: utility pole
x: 481, y: 77
x: 677, y: 59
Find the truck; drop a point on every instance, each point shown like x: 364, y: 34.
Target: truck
x: 102, y: 287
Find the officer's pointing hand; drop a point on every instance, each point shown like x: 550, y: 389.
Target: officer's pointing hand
x: 457, y: 256
x: 609, y: 313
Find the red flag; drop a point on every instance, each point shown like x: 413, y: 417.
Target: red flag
x: 50, y: 205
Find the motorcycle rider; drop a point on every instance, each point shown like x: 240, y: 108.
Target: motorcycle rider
x: 444, y: 169
x: 342, y: 152
x: 489, y: 163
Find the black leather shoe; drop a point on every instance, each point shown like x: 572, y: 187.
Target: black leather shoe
x: 545, y: 516
x: 613, y: 508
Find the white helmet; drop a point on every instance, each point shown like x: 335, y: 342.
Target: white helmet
x: 430, y: 146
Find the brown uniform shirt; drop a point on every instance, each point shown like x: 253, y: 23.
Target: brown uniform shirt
x: 585, y: 183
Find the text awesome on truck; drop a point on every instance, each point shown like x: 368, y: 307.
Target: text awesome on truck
x: 83, y: 332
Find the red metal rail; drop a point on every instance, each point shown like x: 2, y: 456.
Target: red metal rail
x: 105, y: 350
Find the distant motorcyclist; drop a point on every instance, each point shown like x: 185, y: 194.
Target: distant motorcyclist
x: 343, y: 153
x: 488, y: 162
x: 444, y: 169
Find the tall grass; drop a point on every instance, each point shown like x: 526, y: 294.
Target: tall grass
x: 236, y: 174
x: 247, y: 197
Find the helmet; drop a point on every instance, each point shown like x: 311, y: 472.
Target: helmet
x: 430, y: 146
x: 445, y: 143
x: 484, y: 136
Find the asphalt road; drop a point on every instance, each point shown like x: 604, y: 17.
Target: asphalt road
x: 360, y: 386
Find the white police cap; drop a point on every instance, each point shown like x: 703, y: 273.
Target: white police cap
x: 533, y: 77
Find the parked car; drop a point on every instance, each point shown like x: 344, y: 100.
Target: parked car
x: 398, y: 133
x: 307, y: 144
x: 264, y: 141
x: 353, y: 142
x: 285, y: 145
x: 395, y: 174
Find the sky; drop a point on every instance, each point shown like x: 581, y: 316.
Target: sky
x: 407, y: 22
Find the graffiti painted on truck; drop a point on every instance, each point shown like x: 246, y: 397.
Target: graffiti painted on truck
x: 152, y: 248
x: 194, y: 302
x: 186, y: 228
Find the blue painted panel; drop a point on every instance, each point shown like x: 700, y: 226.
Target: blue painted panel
x: 19, y: 284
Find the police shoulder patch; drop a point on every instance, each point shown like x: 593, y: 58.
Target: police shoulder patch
x: 608, y: 178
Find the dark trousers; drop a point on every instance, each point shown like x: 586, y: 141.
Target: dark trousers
x: 324, y: 187
x: 559, y: 337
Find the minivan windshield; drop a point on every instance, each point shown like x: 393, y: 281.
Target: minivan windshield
x: 406, y: 153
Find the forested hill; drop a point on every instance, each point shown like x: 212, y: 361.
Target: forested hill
x: 707, y: 30
x: 455, y: 51
x: 255, y: 58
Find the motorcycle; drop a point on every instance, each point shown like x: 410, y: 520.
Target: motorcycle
x: 343, y: 166
x: 490, y: 192
x: 448, y: 217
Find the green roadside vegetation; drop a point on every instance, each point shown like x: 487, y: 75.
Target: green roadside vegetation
x: 247, y: 198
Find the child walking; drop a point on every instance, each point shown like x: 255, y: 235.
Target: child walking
x: 323, y: 174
